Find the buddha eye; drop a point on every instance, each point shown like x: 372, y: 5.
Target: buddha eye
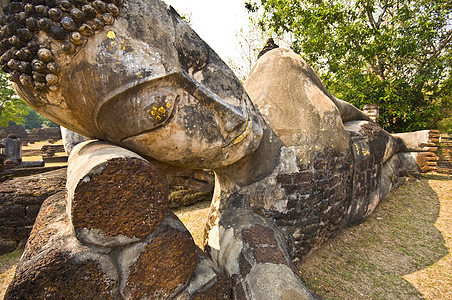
x: 161, y: 108
x: 141, y: 108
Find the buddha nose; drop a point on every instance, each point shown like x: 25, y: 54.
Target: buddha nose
x: 232, y: 117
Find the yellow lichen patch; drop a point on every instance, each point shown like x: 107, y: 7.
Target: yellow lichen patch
x: 159, y: 113
x: 246, y: 131
x: 111, y: 35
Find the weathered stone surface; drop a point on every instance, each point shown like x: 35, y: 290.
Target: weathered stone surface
x: 159, y: 65
x: 418, y: 141
x: 43, y: 134
x: 373, y: 111
x: 265, y: 283
x: 291, y: 112
x: 20, y: 200
x: 116, y: 197
x: 71, y: 139
x: 259, y: 235
x: 221, y: 289
x: 56, y: 266
x: 187, y: 186
x: 13, y: 149
x: 418, y: 162
x: 445, y: 155
x: 165, y: 266
x: 17, y: 130
x: 269, y: 45
x: 289, y: 175
x: 53, y: 274
x: 247, y: 243
x: 7, y: 246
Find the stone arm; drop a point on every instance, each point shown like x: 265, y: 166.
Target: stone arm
x: 71, y: 139
x: 348, y: 111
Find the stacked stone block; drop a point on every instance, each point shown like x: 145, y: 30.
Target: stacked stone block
x: 113, y: 237
x: 20, y: 201
x: 318, y: 197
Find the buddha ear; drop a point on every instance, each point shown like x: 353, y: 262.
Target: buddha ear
x: 3, y: 5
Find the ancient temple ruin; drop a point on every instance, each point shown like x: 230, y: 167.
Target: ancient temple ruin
x: 293, y: 164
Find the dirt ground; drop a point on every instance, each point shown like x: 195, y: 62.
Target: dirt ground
x: 194, y: 218
x: 402, y: 252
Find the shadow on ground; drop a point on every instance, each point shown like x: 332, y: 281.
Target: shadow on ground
x: 370, y: 261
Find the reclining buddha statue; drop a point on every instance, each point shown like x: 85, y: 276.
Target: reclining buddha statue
x: 293, y: 164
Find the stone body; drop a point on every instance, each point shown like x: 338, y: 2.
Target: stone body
x: 290, y: 172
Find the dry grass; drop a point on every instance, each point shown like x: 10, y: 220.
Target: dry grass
x: 194, y: 217
x: 8, y: 264
x: 402, y: 252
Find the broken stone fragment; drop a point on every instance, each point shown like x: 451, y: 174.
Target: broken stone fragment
x: 418, y: 162
x: 168, y: 265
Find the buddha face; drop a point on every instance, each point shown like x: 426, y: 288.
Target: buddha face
x: 132, y: 73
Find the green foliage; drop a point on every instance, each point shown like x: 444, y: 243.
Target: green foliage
x: 36, y: 120
x: 33, y: 119
x: 445, y: 126
x: 396, y: 53
x: 12, y: 108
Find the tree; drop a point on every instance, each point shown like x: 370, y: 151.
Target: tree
x: 12, y: 108
x: 396, y: 53
x: 250, y: 41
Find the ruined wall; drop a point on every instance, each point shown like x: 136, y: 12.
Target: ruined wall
x: 20, y: 201
x: 17, y: 130
x: 42, y: 134
x: 326, y: 194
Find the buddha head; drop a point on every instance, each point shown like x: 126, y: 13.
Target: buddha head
x: 130, y: 72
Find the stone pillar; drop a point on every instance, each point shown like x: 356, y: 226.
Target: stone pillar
x: 13, y: 149
x: 372, y: 111
x: 115, y: 197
